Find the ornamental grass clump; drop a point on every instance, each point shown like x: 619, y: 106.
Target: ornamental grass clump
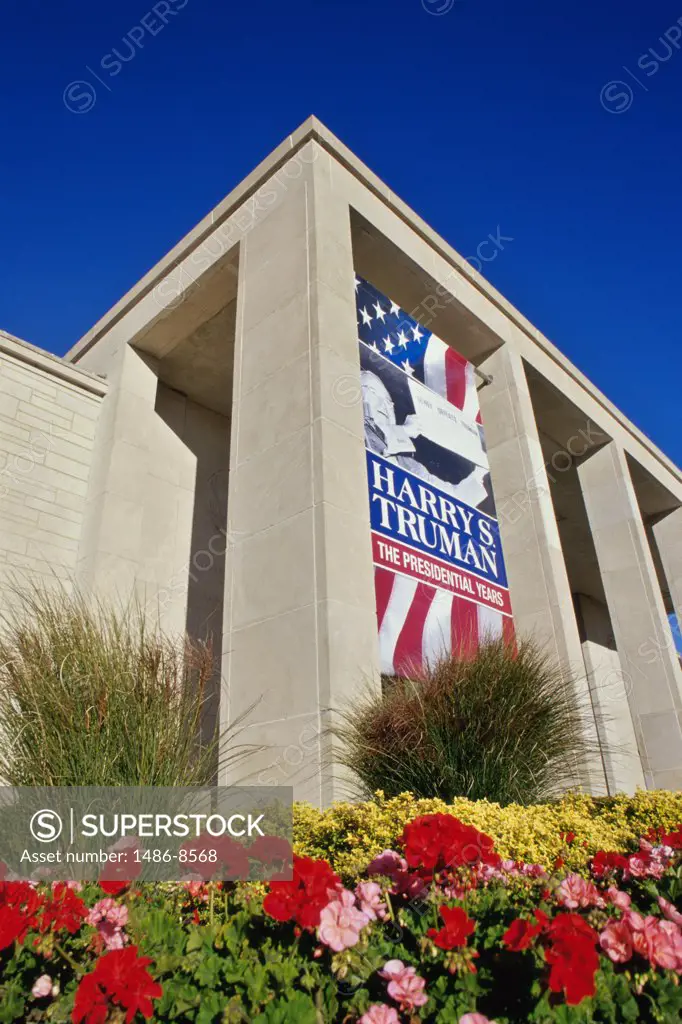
x: 503, y: 725
x: 94, y: 696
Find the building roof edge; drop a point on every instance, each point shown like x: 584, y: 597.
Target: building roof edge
x: 313, y: 128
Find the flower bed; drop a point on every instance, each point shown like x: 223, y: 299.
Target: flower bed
x: 348, y: 835
x: 440, y: 929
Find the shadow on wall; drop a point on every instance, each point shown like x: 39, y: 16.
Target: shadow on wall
x: 207, y: 435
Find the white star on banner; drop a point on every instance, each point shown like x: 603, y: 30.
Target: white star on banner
x: 380, y: 313
x: 366, y: 318
x: 407, y: 368
x: 416, y: 333
x: 395, y: 309
x: 388, y: 344
x: 403, y: 340
x: 358, y: 282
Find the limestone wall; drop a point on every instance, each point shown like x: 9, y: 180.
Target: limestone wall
x: 48, y: 412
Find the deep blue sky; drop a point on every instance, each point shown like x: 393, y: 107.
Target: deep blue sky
x: 488, y: 115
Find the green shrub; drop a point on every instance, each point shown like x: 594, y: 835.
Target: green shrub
x: 502, y: 725
x: 91, y: 696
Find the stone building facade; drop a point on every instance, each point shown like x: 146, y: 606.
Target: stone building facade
x: 203, y: 446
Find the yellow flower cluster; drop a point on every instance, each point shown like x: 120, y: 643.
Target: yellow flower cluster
x: 350, y: 834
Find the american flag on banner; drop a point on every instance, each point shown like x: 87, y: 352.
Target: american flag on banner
x: 420, y: 622
x: 392, y: 332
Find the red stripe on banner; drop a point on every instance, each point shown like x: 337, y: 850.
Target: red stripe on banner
x: 508, y: 632
x: 397, y: 557
x: 464, y: 627
x: 407, y: 658
x: 455, y: 378
x: 383, y: 585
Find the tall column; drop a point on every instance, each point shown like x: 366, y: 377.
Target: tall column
x: 300, y: 620
x: 668, y: 536
x: 622, y: 763
x: 643, y: 638
x: 138, y: 523
x: 540, y: 592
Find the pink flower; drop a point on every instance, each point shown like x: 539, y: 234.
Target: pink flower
x: 638, y: 867
x: 44, y: 987
x: 618, y: 898
x: 70, y: 884
x: 387, y: 863
x: 410, y: 885
x: 369, y: 894
x: 197, y: 888
x: 110, y: 918
x: 380, y: 1013
x: 475, y: 1018
x: 404, y: 985
x: 659, y: 942
x: 341, y: 922
x: 665, y: 945
x: 637, y: 925
x: 405, y: 883
x: 616, y: 941
x: 108, y: 910
x: 531, y: 871
x: 576, y: 892
x: 670, y: 911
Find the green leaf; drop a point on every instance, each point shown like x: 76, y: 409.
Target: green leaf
x: 298, y: 1009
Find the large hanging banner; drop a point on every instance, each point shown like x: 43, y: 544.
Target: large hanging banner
x: 441, y: 585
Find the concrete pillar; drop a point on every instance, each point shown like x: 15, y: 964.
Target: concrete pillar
x: 668, y: 536
x: 642, y: 633
x: 622, y: 763
x: 540, y: 593
x: 138, y: 523
x: 300, y: 620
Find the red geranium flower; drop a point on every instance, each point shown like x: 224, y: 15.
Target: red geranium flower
x: 304, y: 897
x: 434, y: 842
x: 605, y: 863
x: 13, y: 925
x: 120, y: 977
x: 573, y: 957
x: 521, y: 932
x: 673, y: 839
x: 231, y: 857
x: 91, y: 1003
x: 19, y: 906
x: 271, y: 851
x: 113, y: 888
x: 65, y: 910
x: 458, y: 926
